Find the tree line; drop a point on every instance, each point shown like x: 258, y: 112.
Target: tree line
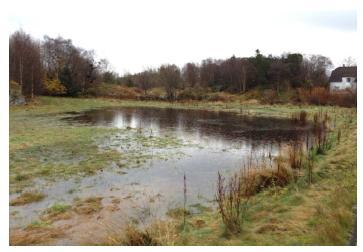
x: 54, y: 66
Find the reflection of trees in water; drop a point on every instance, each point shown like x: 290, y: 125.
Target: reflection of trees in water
x: 221, y: 126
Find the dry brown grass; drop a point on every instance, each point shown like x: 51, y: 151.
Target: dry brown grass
x: 34, y: 236
x: 88, y: 206
x: 56, y: 212
x: 115, y: 91
x: 300, y: 117
x: 322, y: 96
x: 27, y: 197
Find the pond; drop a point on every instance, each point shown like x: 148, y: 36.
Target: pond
x: 164, y: 145
x: 212, y: 142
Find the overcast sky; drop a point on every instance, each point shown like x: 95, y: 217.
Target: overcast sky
x: 134, y: 35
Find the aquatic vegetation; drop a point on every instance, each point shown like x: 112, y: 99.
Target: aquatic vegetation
x: 88, y: 206
x: 27, y: 197
x: 35, y: 234
x: 178, y: 212
x: 56, y: 212
x: 46, y: 149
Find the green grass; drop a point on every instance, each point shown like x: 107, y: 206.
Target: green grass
x: 57, y: 208
x: 299, y: 214
x: 38, y: 224
x: 42, y: 146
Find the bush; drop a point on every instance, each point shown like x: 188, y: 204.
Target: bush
x: 193, y: 93
x: 156, y: 94
x: 322, y: 96
x: 114, y: 91
x: 54, y: 87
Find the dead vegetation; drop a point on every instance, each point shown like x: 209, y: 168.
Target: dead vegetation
x: 27, y: 197
x: 56, y: 212
x: 88, y: 206
x: 233, y: 194
x: 35, y: 235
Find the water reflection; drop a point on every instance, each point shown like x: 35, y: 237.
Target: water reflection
x: 222, y: 142
x: 197, y: 125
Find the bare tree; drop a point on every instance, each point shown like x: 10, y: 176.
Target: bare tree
x: 190, y: 74
x: 25, y: 66
x: 278, y: 72
x: 170, y: 77
x: 144, y: 80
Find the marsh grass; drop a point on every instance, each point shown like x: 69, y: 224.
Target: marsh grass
x: 87, y: 206
x: 178, y: 212
x: 300, y: 117
x: 136, y: 237
x: 56, y: 212
x: 290, y: 210
x: 232, y: 204
x: 27, y: 197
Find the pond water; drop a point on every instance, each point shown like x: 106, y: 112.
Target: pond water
x: 204, y: 143
x: 212, y: 142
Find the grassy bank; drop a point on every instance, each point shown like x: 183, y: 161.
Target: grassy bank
x: 43, y: 146
x: 321, y: 213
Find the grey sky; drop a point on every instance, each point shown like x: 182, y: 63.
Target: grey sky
x: 343, y: 20
x: 134, y: 35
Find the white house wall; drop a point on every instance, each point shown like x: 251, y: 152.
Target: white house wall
x: 339, y: 85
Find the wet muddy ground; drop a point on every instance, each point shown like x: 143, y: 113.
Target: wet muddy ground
x: 156, y: 148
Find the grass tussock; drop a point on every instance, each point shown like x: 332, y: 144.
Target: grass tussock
x: 27, y: 197
x: 56, y: 212
x: 88, y: 206
x: 136, y: 237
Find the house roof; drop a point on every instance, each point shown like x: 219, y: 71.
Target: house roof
x: 338, y: 73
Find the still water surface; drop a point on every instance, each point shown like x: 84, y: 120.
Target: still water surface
x: 211, y: 142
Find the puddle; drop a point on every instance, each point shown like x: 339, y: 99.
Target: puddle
x: 165, y: 144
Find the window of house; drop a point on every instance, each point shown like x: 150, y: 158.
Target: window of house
x: 348, y: 79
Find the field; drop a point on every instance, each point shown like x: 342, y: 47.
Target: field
x: 44, y: 149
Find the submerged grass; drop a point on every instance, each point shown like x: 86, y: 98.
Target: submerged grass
x: 41, y: 146
x: 88, y: 206
x: 26, y: 198
x: 56, y: 212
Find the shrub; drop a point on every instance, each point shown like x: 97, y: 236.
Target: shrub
x: 231, y: 202
x: 54, y: 87
x: 114, y: 91
x: 322, y: 96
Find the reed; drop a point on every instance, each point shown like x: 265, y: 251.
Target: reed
x: 231, y: 203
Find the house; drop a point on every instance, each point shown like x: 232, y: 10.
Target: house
x: 343, y: 78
